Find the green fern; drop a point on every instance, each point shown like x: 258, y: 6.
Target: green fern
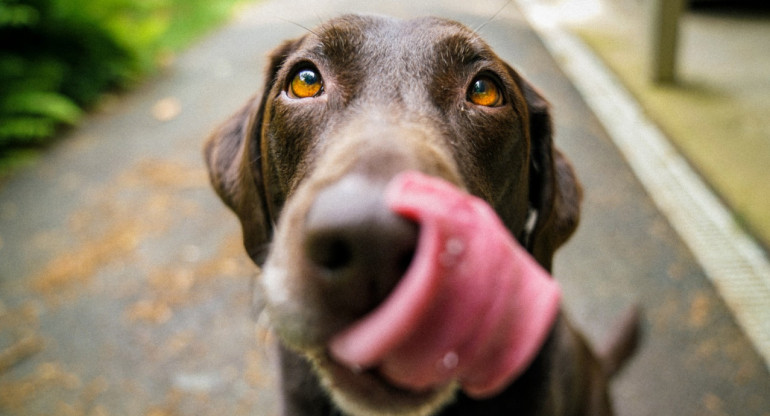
x: 16, y: 15
x: 31, y: 117
x: 43, y: 104
x: 58, y: 56
x: 53, y: 62
x: 24, y: 131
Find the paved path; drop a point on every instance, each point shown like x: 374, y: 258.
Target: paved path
x: 124, y: 289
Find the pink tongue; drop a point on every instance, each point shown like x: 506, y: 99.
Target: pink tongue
x: 473, y: 306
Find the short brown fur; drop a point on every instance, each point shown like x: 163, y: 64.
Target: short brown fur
x: 395, y: 99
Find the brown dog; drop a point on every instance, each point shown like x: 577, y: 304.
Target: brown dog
x: 344, y: 109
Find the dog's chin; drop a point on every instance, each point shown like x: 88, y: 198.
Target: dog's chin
x: 367, y: 393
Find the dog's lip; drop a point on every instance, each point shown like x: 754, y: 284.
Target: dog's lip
x: 373, y: 374
x: 370, y: 386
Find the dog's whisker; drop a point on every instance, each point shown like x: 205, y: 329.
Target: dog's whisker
x: 478, y: 28
x: 299, y: 25
x: 263, y: 327
x: 318, y: 16
x: 257, y: 306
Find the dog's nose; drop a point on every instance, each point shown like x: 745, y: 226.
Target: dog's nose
x: 356, y: 247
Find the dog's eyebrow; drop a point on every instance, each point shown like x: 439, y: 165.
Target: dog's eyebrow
x: 459, y: 49
x: 339, y: 41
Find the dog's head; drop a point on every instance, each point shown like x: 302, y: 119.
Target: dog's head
x: 346, y: 108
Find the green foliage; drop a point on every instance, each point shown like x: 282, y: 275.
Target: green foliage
x: 52, y: 64
x: 58, y: 56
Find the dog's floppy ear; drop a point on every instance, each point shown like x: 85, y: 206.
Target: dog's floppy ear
x: 234, y: 162
x: 554, y: 191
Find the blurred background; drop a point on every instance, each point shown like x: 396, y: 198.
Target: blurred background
x: 124, y: 288
x: 713, y: 102
x: 59, y: 58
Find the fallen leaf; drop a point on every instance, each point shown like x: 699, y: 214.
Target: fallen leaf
x: 167, y: 109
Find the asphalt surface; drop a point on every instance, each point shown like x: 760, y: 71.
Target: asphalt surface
x: 124, y: 289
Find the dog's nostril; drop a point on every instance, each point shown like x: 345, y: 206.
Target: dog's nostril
x: 330, y: 253
x: 355, y: 248
x: 405, y: 260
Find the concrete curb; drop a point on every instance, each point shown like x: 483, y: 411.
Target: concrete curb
x: 731, y: 259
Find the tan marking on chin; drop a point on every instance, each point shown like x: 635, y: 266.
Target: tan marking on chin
x: 368, y: 403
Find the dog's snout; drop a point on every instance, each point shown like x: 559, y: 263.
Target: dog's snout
x: 355, y: 246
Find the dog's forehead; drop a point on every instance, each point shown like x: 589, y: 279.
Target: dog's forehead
x: 394, y: 42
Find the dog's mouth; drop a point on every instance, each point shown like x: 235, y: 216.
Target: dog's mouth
x: 358, y: 391
x: 471, y: 311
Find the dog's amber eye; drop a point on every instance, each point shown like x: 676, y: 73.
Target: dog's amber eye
x: 484, y: 91
x: 306, y: 83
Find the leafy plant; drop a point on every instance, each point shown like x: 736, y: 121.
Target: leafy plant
x: 51, y: 65
x: 58, y: 56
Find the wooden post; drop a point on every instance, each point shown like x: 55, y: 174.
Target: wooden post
x: 665, y: 34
